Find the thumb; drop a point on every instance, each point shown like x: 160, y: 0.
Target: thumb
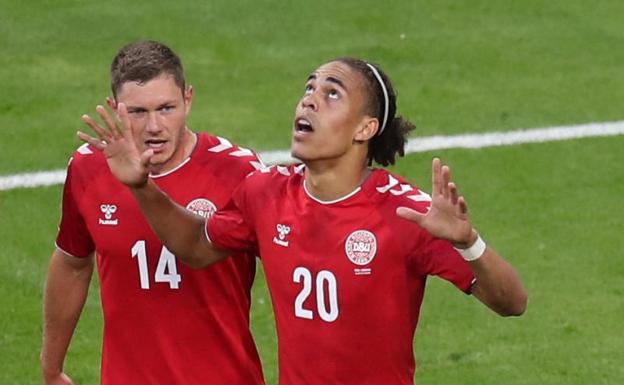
x: 146, y: 156
x: 410, y: 214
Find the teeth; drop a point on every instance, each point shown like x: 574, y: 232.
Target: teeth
x: 155, y: 144
x: 302, y: 125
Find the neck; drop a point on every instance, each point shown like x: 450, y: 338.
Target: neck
x: 328, y: 182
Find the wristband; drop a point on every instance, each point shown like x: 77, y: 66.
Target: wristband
x: 474, y: 252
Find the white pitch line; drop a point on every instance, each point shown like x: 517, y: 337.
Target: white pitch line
x: 422, y: 144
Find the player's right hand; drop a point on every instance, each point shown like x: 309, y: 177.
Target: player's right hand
x: 117, y: 143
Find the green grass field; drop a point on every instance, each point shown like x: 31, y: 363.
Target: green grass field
x: 554, y: 209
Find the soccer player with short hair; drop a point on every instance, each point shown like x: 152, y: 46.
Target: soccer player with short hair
x: 164, y: 323
x: 346, y: 248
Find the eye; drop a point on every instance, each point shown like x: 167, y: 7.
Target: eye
x: 136, y: 114
x: 333, y: 94
x: 166, y: 109
x: 308, y: 89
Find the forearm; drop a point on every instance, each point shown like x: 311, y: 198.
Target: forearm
x: 66, y: 290
x: 498, y: 285
x: 181, y: 231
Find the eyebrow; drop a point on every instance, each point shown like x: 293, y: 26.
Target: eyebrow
x: 141, y: 108
x: 135, y: 108
x: 329, y: 79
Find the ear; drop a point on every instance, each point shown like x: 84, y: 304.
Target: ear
x: 188, y: 99
x: 367, y: 130
x: 112, y: 104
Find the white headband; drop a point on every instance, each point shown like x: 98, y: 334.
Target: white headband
x: 385, y: 94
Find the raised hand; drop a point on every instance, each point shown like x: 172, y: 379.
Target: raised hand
x: 117, y: 143
x: 447, y: 217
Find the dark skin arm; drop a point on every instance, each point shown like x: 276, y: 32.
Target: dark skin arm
x: 498, y: 285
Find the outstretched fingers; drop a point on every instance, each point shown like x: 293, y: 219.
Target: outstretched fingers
x: 410, y: 214
x: 104, y: 134
x: 446, y: 181
x: 444, y: 187
x: 146, y: 158
x: 122, y: 112
x: 441, y: 179
x: 436, y: 178
x: 462, y: 206
x: 458, y: 201
x: 100, y: 144
x: 453, y: 193
x: 110, y: 122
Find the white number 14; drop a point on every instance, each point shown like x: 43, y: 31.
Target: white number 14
x: 166, y: 271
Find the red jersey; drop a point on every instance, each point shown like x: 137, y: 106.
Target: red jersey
x: 346, y: 277
x: 164, y: 323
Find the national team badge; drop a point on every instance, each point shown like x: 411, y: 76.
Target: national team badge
x: 202, y: 207
x: 361, y: 246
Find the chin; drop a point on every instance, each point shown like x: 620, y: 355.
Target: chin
x: 298, y: 154
x: 159, y: 163
x: 158, y: 159
x: 310, y: 153
x: 306, y: 157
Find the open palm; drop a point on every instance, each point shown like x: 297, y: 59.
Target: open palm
x: 118, y: 146
x: 447, y: 217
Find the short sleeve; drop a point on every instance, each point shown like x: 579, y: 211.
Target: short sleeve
x: 73, y: 236
x: 231, y: 228
x: 440, y: 258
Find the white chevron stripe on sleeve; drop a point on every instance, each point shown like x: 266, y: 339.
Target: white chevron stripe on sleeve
x: 224, y: 145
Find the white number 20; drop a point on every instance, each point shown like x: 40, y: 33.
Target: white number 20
x: 166, y: 271
x: 324, y: 279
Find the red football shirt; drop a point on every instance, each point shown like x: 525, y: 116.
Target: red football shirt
x: 346, y: 277
x: 164, y: 323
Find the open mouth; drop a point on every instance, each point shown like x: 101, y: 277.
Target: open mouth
x: 155, y: 144
x: 303, y: 125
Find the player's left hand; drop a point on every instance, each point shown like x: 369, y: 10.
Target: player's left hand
x: 447, y: 217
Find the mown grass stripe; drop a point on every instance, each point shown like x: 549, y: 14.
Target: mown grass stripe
x: 418, y: 144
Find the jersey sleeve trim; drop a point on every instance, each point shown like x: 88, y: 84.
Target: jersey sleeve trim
x: 468, y: 291
x: 70, y: 254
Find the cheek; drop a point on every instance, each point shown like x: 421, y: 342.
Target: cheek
x: 176, y: 119
x: 137, y: 126
x: 343, y: 138
x: 175, y: 124
x: 335, y: 140
x: 343, y: 127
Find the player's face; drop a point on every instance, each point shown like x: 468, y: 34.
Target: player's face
x: 157, y: 111
x: 330, y: 114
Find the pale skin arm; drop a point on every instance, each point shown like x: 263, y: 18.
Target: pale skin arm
x: 497, y: 284
x: 66, y: 290
x: 179, y: 229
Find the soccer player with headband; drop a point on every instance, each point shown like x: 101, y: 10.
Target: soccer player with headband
x: 346, y: 247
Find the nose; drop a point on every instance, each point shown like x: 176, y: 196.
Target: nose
x: 309, y: 101
x: 152, y: 122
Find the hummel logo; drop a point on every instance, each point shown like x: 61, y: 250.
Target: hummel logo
x: 283, y: 231
x: 108, y: 210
